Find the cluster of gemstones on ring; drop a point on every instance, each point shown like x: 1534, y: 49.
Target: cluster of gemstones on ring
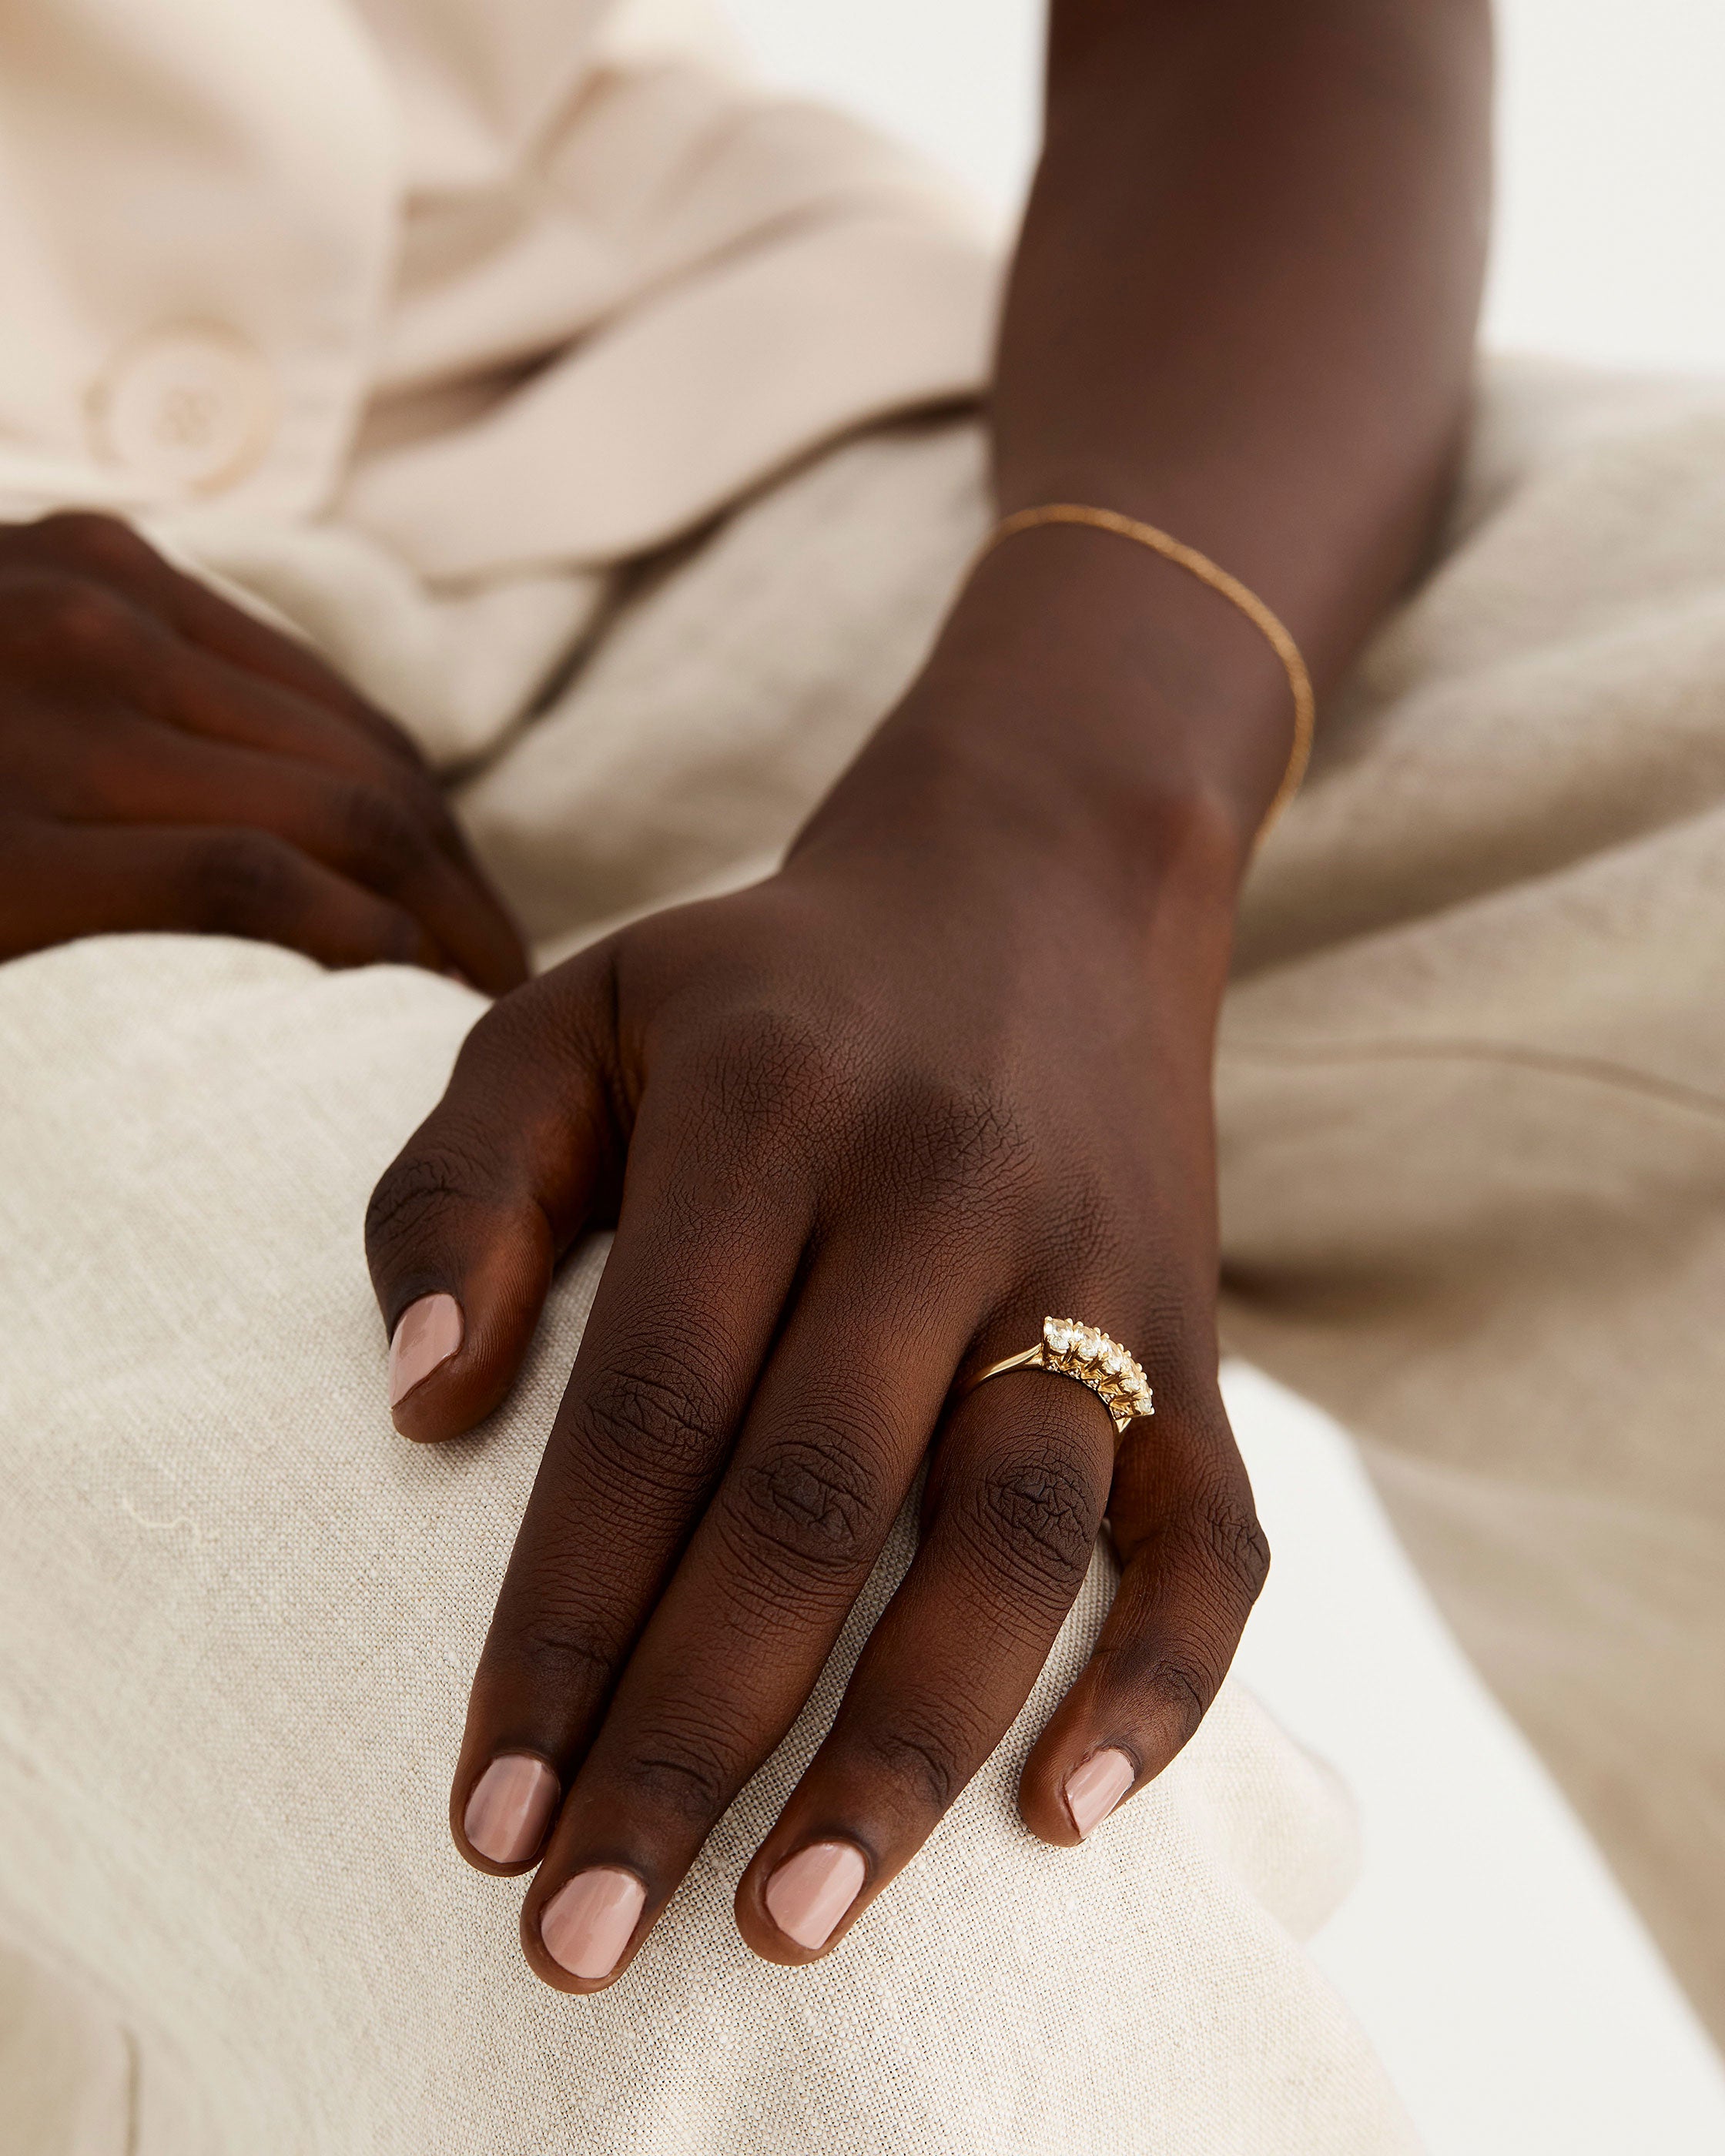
x: 1098, y: 1362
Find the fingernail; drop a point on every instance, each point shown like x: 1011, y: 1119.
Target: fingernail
x: 587, y: 1924
x: 511, y: 1802
x: 427, y: 1334
x: 811, y: 1891
x: 1093, y: 1789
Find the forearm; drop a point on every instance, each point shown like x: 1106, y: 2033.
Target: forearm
x: 1243, y: 308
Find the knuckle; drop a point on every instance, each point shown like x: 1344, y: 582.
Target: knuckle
x: 659, y: 1419
x: 691, y: 1772
x: 77, y: 619
x: 384, y: 840
x: 95, y: 541
x: 1106, y: 1232
x: 808, y: 1507
x: 1235, y: 1544
x: 1175, y: 1676
x: 978, y: 1128
x: 1185, y: 1685
x: 962, y: 1147
x: 922, y: 1754
x: 562, y: 1651
x: 771, y: 1069
x: 510, y: 1035
x: 244, y: 881
x: 417, y: 1194
x: 1040, y: 1513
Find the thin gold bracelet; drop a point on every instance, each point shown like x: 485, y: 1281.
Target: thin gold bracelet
x: 1209, y: 572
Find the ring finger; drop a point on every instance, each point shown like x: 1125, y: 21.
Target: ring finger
x: 1015, y: 1496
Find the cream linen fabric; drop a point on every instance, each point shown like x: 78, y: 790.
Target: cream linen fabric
x: 438, y: 308
x: 239, y: 1617
x: 1472, y: 1101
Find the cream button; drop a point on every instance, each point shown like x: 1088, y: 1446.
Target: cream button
x: 189, y: 409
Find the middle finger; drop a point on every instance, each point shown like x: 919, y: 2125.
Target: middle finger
x: 707, y: 1245
x: 734, y: 1648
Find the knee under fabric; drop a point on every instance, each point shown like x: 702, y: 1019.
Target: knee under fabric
x: 239, y: 1617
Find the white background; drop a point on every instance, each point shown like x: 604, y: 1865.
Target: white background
x: 1611, y: 202
x: 1509, y: 1987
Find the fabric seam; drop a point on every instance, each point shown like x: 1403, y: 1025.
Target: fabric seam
x: 1548, y: 1062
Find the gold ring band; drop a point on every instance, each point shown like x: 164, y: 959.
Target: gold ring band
x: 1074, y: 1350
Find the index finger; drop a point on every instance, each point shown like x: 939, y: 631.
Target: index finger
x: 707, y: 1250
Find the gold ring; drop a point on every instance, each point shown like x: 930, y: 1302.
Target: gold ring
x: 1072, y: 1350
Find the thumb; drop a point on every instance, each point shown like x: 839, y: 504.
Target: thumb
x: 467, y: 1223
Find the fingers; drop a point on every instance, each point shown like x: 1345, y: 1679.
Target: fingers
x: 103, y: 625
x: 377, y: 835
x: 739, y: 1635
x: 703, y: 1263
x: 634, y: 1731
x: 465, y: 1225
x: 110, y: 552
x: 72, y: 880
x: 736, y: 1638
x: 203, y: 692
x: 1015, y: 1496
x: 1194, y: 1560
x: 1014, y: 1501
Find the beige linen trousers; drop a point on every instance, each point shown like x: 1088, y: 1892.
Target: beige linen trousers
x: 1473, y: 1148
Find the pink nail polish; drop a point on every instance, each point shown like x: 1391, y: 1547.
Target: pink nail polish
x: 587, y: 1924
x: 510, y: 1808
x: 427, y: 1334
x: 1093, y: 1788
x: 811, y: 1891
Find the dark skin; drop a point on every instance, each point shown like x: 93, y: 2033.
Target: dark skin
x: 860, y: 1127
x: 167, y: 762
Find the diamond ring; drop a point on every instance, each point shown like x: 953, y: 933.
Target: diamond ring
x: 1073, y: 1350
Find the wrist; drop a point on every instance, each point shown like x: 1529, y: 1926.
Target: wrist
x: 1086, y: 701
x: 984, y: 801
x: 1098, y: 655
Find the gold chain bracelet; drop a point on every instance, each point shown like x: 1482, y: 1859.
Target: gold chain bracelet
x: 1209, y: 572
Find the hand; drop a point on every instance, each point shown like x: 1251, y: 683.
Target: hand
x: 168, y: 763
x: 860, y: 1127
